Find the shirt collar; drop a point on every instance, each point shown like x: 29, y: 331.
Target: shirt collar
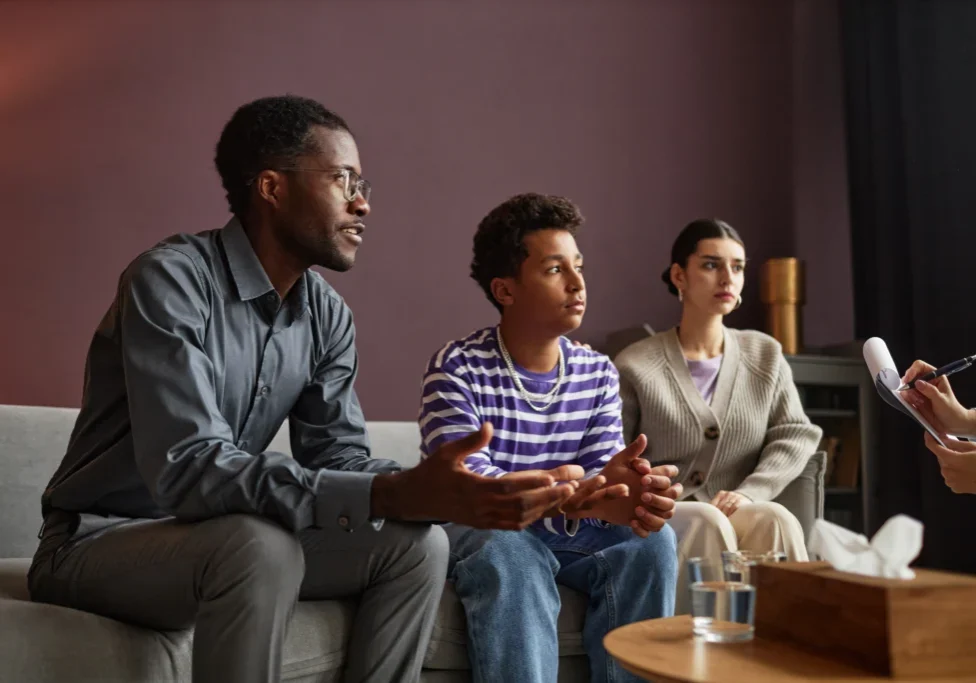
x: 248, y: 274
x: 298, y: 296
x: 245, y: 268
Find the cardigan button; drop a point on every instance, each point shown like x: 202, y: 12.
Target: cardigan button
x: 697, y: 478
x: 711, y: 433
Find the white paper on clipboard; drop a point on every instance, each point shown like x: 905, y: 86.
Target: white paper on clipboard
x: 887, y: 379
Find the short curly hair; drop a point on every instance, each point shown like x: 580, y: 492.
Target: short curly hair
x: 267, y: 131
x: 499, y: 243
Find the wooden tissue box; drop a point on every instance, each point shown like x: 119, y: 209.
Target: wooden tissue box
x: 923, y: 627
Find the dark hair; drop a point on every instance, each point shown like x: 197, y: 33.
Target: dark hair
x: 264, y: 132
x: 687, y: 242
x: 499, y: 247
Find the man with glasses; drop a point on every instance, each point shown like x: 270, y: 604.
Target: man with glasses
x: 168, y: 511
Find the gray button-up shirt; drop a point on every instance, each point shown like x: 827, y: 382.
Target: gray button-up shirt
x: 190, y: 375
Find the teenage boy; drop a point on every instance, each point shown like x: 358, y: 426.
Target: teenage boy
x: 555, y: 407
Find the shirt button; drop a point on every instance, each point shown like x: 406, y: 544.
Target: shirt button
x: 265, y: 390
x: 343, y: 521
x: 697, y: 478
x: 711, y: 433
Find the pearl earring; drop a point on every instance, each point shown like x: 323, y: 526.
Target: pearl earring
x: 681, y: 295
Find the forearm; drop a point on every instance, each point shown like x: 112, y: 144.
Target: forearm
x: 969, y: 429
x: 386, y: 498
x: 202, y: 481
x: 779, y: 464
x: 790, y: 441
x: 399, y: 496
x: 355, y: 462
x: 767, y: 482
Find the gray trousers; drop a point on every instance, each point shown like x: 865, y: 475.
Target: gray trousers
x: 236, y: 579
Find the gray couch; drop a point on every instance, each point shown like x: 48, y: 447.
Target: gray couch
x: 47, y: 644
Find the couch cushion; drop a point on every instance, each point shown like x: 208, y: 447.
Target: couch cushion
x: 448, y: 646
x: 48, y: 644
x: 13, y: 579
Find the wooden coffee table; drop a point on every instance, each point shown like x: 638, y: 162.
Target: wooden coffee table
x: 666, y: 651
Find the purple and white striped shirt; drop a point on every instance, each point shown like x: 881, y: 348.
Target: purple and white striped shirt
x: 467, y: 383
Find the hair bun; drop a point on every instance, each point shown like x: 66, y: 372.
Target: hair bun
x: 666, y: 279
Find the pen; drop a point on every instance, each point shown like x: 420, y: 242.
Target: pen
x: 945, y: 370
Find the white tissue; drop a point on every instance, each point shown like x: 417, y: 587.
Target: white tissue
x: 887, y: 555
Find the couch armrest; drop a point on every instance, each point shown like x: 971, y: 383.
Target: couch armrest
x: 804, y: 496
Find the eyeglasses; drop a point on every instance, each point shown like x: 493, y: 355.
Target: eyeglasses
x: 353, y: 184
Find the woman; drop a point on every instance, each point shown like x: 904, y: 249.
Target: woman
x: 721, y: 405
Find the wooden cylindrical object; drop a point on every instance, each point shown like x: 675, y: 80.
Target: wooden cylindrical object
x: 782, y: 293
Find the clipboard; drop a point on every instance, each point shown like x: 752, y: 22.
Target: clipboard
x: 887, y: 379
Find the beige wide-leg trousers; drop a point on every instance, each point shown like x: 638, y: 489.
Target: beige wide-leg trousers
x: 704, y: 531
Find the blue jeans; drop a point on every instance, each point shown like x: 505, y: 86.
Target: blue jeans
x: 506, y: 581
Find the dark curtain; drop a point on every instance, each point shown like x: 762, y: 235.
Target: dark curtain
x: 910, y: 80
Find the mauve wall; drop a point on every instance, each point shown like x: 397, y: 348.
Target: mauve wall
x: 821, y: 221
x: 647, y: 113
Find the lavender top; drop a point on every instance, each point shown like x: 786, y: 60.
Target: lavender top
x: 704, y: 373
x: 467, y: 383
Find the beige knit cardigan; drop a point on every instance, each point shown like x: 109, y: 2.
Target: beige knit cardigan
x: 754, y: 438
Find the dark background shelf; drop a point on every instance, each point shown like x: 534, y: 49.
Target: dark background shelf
x: 838, y: 396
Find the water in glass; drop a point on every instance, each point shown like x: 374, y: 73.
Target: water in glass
x: 723, y: 611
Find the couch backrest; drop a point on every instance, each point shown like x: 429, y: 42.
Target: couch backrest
x: 32, y: 443
x: 33, y: 440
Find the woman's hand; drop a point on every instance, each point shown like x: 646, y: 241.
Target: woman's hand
x: 729, y: 501
x: 937, y: 403
x: 958, y: 463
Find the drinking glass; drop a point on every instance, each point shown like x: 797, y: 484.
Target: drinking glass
x: 738, y: 564
x: 722, y: 611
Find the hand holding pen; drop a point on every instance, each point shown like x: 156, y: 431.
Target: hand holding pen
x: 946, y: 370
x: 928, y: 390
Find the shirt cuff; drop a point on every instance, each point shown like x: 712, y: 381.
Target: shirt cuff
x: 343, y: 500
